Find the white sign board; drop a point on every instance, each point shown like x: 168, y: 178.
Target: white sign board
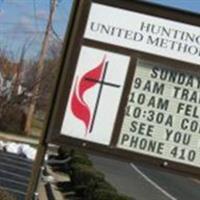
x: 162, y: 114
x: 116, y: 96
x: 144, y: 33
x: 95, y: 95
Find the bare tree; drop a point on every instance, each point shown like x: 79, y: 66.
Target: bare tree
x: 14, y: 102
x: 40, y: 66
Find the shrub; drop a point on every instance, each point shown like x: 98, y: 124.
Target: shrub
x: 12, y: 119
x: 62, y: 152
x: 87, y: 182
x: 83, y: 174
x: 104, y: 185
x: 123, y: 197
x: 77, y: 156
x: 80, y: 159
x: 104, y: 194
x: 4, y: 195
x: 95, y: 186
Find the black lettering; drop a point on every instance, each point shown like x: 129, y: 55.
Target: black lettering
x: 132, y: 96
x: 141, y: 128
x: 128, y: 110
x: 160, y: 148
x: 184, y: 124
x: 143, y: 144
x: 178, y: 137
x: 176, y: 90
x: 154, y: 146
x: 158, y: 103
x: 154, y: 73
x: 198, y: 83
x: 133, y: 126
x: 193, y: 98
x: 190, y: 81
x: 169, y: 121
x: 145, y: 27
x: 193, y: 50
x: 152, y: 102
x: 185, y: 93
x: 137, y: 83
x: 153, y: 41
x: 105, y: 29
x: 163, y: 104
x: 158, y: 88
x: 94, y: 27
x: 192, y: 126
x: 128, y: 35
x: 141, y: 98
x: 180, y: 108
x: 191, y: 155
x: 186, y: 139
x: 138, y: 37
x: 147, y: 86
x: 124, y: 139
x: 168, y: 134
x: 134, y: 141
x: 145, y: 129
x: 164, y: 43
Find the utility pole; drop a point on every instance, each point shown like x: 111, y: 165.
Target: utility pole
x: 43, y: 145
x: 40, y: 67
x: 35, y: 175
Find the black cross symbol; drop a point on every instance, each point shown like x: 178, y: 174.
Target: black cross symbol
x: 102, y: 82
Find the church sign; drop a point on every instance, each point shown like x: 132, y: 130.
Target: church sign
x: 129, y: 85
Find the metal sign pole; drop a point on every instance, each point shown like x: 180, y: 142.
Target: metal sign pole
x: 43, y: 145
x: 36, y: 171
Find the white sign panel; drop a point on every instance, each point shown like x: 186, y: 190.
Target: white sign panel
x: 162, y: 114
x: 95, y: 95
x: 144, y: 33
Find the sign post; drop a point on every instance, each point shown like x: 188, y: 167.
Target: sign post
x: 43, y: 144
x: 129, y: 86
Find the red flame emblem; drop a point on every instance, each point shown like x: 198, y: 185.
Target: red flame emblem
x: 79, y: 106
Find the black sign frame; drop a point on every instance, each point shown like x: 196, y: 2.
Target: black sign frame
x: 74, y: 41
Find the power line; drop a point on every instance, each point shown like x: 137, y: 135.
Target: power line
x: 57, y: 36
x: 38, y: 19
x: 35, y: 14
x: 19, y: 2
x: 22, y: 32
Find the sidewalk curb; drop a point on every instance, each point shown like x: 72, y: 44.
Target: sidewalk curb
x: 16, y: 138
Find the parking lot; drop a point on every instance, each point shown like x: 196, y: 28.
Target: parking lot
x: 15, y: 172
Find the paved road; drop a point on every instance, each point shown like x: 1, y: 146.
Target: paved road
x: 144, y: 183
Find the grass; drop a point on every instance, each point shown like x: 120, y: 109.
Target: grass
x: 38, y: 124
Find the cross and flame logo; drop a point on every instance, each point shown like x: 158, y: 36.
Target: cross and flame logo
x: 79, y: 107
x: 90, y: 79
